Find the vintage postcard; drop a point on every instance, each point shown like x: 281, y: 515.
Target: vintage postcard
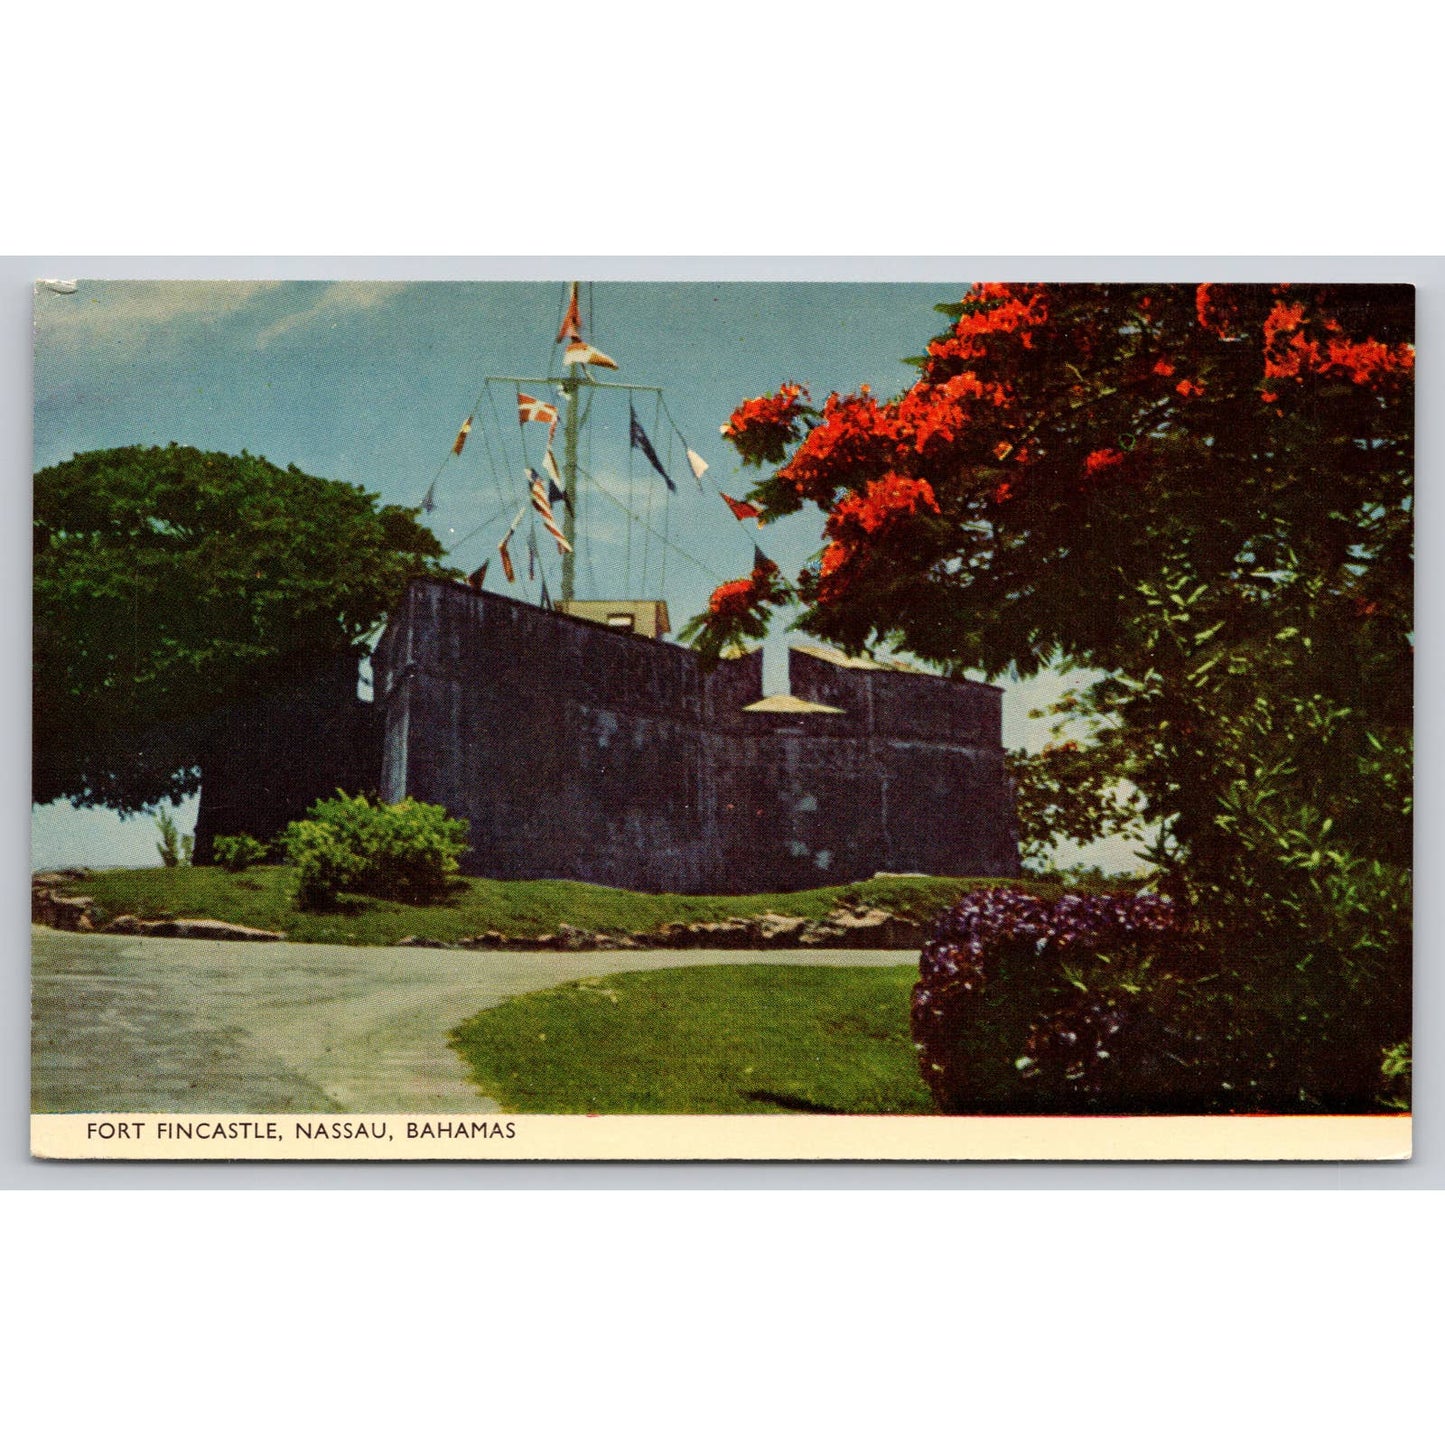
x: 621, y: 720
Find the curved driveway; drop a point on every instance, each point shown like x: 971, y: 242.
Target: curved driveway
x: 178, y: 1025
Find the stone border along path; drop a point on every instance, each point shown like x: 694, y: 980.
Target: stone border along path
x: 127, y: 1024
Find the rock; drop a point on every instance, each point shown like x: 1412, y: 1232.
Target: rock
x: 843, y: 928
x: 780, y: 930
x: 204, y: 928
x: 490, y: 940
x: 58, y: 877
x: 56, y: 910
x: 865, y: 928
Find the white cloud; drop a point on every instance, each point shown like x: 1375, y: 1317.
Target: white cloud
x: 341, y: 298
x: 105, y: 313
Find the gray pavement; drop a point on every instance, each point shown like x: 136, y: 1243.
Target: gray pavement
x: 179, y: 1025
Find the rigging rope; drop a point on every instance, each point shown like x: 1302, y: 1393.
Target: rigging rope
x: 681, y: 552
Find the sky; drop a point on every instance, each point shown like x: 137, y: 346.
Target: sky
x: 368, y: 382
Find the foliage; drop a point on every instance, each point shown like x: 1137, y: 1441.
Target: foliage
x: 237, y: 852
x: 171, y: 583
x: 174, y: 849
x: 1395, y: 1076
x: 754, y: 1038
x: 763, y: 428
x: 738, y: 611
x: 1010, y: 965
x: 406, y: 850
x: 1205, y: 494
x: 1117, y: 1004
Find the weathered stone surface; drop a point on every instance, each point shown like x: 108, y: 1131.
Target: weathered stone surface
x: 59, y: 877
x: 491, y: 939
x: 56, y: 910
x: 414, y: 941
x: 862, y: 928
x: 577, y: 752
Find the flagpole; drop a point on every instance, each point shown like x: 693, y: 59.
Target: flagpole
x: 569, y: 478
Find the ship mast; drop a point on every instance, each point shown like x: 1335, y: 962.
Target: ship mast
x: 571, y: 387
x: 571, y: 424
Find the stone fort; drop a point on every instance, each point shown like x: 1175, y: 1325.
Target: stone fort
x: 582, y: 749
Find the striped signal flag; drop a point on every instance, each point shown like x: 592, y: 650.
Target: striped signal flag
x: 544, y: 510
x: 479, y: 576
x: 462, y: 435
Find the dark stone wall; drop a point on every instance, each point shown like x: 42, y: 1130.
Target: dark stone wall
x: 266, y: 762
x: 578, y: 752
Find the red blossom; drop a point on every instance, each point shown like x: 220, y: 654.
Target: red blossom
x: 743, y: 595
x: 1370, y: 363
x: 991, y: 309
x: 1163, y: 367
x: 1103, y: 460
x: 1188, y: 388
x: 764, y: 427
x: 732, y: 599
x: 1218, y: 309
x: 859, y: 518
x: 855, y: 438
x: 881, y: 504
x: 1291, y: 351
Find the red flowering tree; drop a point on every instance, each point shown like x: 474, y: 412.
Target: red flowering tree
x: 1202, y: 491
x: 739, y: 610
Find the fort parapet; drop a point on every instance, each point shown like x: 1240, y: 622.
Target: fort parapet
x: 576, y: 751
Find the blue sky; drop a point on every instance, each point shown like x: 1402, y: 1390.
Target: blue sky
x: 368, y: 382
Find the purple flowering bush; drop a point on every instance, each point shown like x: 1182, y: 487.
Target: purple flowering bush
x: 1093, y: 1003
x: 1110, y: 1003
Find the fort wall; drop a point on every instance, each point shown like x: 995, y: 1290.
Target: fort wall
x: 579, y: 752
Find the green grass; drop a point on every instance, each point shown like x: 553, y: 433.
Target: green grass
x: 263, y: 898
x: 725, y: 1039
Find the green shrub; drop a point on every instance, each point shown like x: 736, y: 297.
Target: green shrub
x: 175, y: 850
x: 408, y: 851
x: 238, y: 852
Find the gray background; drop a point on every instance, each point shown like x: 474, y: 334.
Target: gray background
x: 18, y: 1171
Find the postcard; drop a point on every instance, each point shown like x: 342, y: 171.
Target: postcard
x: 659, y: 720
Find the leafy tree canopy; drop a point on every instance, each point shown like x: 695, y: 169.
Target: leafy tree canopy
x: 1204, y: 492
x: 171, y: 584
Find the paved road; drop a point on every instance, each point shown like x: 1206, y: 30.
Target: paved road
x: 178, y: 1025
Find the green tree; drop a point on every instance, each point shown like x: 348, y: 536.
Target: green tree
x: 1205, y: 494
x: 171, y: 583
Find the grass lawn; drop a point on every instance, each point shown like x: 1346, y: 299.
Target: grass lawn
x: 262, y: 898
x: 725, y: 1039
